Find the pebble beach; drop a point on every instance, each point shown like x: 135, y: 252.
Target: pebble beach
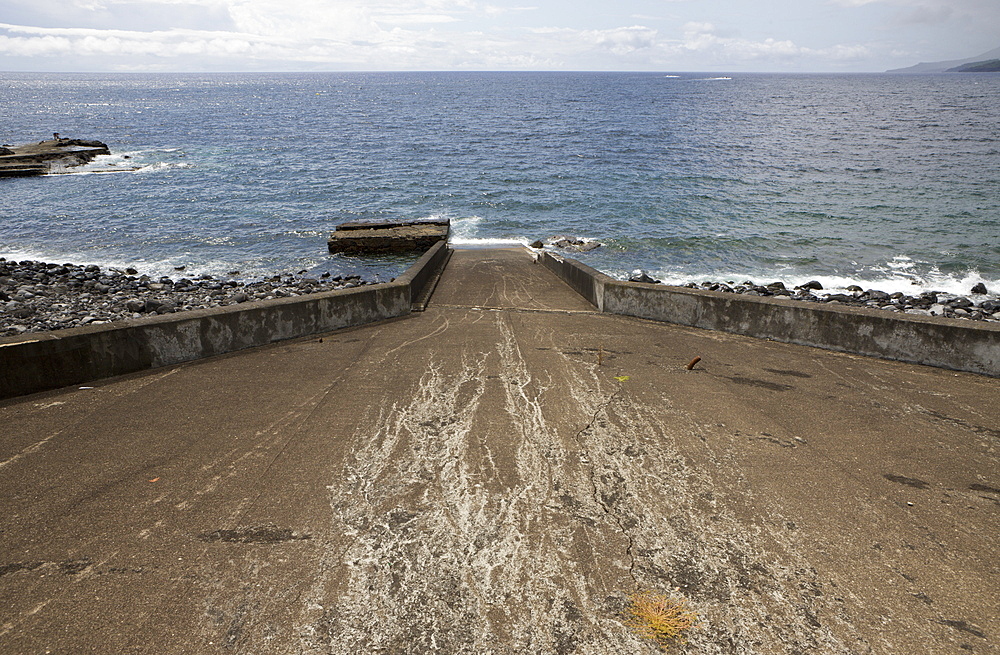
x: 40, y: 296
x: 979, y: 305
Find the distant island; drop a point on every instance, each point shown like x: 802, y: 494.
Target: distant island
x: 989, y: 66
x: 952, y: 66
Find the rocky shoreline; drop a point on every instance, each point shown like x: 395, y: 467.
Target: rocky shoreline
x: 978, y: 306
x: 41, y: 296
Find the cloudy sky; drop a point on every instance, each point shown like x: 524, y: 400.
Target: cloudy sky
x: 636, y: 35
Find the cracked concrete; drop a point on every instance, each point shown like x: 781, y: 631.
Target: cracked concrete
x: 496, y: 475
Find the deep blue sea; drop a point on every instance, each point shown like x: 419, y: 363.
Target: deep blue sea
x: 887, y: 181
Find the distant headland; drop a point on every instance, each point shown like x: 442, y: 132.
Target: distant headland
x: 989, y: 66
x: 969, y: 65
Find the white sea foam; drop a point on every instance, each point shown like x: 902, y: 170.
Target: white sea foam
x: 461, y: 228
x: 488, y: 243
x: 65, y: 172
x: 62, y: 257
x: 900, y: 274
x: 30, y: 255
x: 464, y: 233
x: 138, y: 161
x: 161, y: 166
x: 151, y: 267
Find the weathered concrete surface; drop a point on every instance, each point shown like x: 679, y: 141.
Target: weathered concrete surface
x: 950, y: 343
x: 41, y: 361
x: 470, y: 480
x: 361, y: 237
x: 42, y: 157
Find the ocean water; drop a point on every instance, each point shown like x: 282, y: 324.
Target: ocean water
x: 890, y: 182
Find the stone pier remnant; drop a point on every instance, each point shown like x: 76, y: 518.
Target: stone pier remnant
x: 364, y: 237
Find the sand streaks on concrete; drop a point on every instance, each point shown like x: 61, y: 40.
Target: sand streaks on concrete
x: 459, y: 541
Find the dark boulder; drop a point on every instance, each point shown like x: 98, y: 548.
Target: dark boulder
x: 980, y: 288
x: 639, y: 275
x: 576, y: 245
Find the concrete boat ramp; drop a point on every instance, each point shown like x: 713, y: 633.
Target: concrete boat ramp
x: 496, y: 474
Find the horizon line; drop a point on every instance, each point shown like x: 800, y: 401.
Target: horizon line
x: 444, y: 70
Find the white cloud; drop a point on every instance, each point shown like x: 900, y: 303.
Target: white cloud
x: 706, y: 40
x: 88, y: 42
x: 435, y: 34
x: 310, y: 19
x: 418, y: 19
x: 496, y: 10
x: 355, y: 39
x: 931, y: 11
x: 927, y: 14
x: 619, y: 40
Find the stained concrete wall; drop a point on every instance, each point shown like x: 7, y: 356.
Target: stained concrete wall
x: 586, y: 281
x: 48, y: 360
x: 947, y: 343
x: 423, y: 272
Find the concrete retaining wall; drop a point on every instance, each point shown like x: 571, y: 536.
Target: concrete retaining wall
x: 48, y: 360
x: 947, y: 343
x: 425, y: 269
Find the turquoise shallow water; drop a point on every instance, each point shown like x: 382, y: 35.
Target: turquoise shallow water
x: 890, y: 182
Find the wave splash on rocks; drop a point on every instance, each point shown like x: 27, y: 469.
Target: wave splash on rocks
x: 40, y: 296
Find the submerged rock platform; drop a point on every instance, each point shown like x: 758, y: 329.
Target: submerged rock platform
x: 42, y: 157
x: 361, y: 237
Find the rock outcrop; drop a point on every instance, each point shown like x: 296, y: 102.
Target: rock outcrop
x: 45, y: 156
